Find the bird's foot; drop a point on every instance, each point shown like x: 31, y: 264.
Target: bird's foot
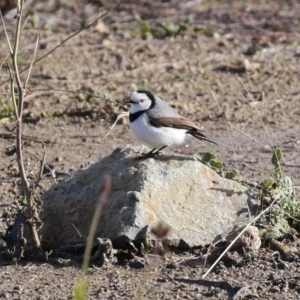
x: 152, y: 154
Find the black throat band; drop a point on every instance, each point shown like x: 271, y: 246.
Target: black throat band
x: 134, y: 116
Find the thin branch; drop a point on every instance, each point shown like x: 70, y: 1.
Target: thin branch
x: 31, y: 64
x: 248, y: 135
x: 120, y: 116
x: 34, y: 155
x: 4, y: 60
x: 12, y: 92
x: 11, y: 75
x: 227, y: 128
x: 26, y: 137
x: 21, y: 100
x: 14, y: 57
x: 260, y: 118
x: 246, y: 227
x: 42, y: 165
x: 82, y: 93
x: 30, y: 213
x: 5, y: 31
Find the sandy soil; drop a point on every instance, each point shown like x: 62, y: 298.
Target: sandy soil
x: 231, y: 68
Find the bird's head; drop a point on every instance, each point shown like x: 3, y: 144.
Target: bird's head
x: 141, y: 100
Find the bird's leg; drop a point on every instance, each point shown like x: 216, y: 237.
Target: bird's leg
x: 152, y: 153
x: 149, y: 154
x: 161, y: 148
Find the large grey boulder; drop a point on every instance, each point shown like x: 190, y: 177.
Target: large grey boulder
x: 196, y: 202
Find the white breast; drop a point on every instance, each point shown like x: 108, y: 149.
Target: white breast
x: 156, y: 137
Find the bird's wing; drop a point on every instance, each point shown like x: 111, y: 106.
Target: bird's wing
x: 162, y: 109
x: 180, y: 123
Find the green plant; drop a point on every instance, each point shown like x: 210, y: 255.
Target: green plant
x: 48, y: 253
x: 274, y: 218
x: 5, y: 215
x: 19, y: 58
x: 204, y: 30
x: 50, y: 113
x: 285, y: 213
x: 295, y: 43
x: 172, y: 28
x: 6, y: 109
x: 142, y: 84
x: 210, y: 159
x: 13, y: 254
x: 148, y: 246
x: 160, y: 30
x: 144, y: 26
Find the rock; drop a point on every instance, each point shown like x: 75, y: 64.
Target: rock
x: 104, y: 253
x: 248, y: 240
x: 191, y: 198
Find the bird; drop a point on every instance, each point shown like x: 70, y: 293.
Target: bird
x: 157, y: 124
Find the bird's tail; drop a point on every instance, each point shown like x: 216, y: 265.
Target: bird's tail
x: 200, y: 136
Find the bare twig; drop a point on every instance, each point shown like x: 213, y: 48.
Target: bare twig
x: 14, y: 56
x: 31, y: 64
x: 5, y: 58
x: 249, y: 224
x: 227, y: 128
x: 248, y: 135
x: 26, y: 137
x: 240, y: 293
x: 77, y: 230
x: 42, y: 165
x: 14, y: 53
x: 259, y: 116
x: 238, y: 236
x: 7, y: 38
x: 31, y: 210
x: 12, y: 91
x: 246, y: 290
x: 11, y: 75
x: 120, y: 116
x: 82, y: 93
x: 34, y: 155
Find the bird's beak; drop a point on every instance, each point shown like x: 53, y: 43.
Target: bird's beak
x: 129, y: 101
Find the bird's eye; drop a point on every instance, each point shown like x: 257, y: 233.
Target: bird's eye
x: 142, y: 100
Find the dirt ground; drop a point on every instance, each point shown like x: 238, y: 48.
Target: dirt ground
x: 233, y: 68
